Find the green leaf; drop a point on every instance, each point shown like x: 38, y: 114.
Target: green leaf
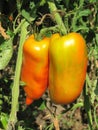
x: 27, y: 16
x: 50, y: 127
x: 84, y: 13
x: 4, y: 120
x: 96, y: 36
x: 78, y: 28
x: 42, y: 2
x: 88, y: 81
x: 96, y: 89
x: 78, y: 18
x: 6, y: 51
x: 93, y: 1
x: 77, y: 105
x: 81, y: 2
x: 42, y: 106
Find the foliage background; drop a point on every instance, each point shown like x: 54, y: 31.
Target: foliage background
x: 79, y: 16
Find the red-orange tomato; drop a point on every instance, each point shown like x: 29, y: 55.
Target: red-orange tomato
x: 34, y: 70
x: 67, y: 67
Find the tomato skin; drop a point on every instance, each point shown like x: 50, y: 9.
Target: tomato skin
x: 67, y: 67
x: 34, y: 70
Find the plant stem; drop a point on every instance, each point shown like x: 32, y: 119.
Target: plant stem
x: 19, y: 26
x: 43, y: 31
x: 19, y: 4
x: 57, y: 17
x: 95, y: 116
x: 56, y: 123
x: 87, y: 105
x: 15, y: 88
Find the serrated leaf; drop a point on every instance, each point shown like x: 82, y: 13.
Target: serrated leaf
x: 6, y: 51
x: 84, y: 13
x: 78, y: 28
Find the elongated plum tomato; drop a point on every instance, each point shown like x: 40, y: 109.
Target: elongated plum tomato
x: 67, y: 68
x: 34, y: 71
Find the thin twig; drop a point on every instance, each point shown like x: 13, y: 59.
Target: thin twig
x: 43, y: 18
x: 50, y: 16
x: 56, y: 123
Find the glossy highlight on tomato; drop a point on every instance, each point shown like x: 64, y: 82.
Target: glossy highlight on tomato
x: 67, y: 67
x: 34, y: 71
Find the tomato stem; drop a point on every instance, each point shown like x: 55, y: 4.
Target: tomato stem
x: 56, y: 123
x: 44, y: 31
x: 87, y: 104
x: 19, y: 4
x: 15, y: 88
x: 57, y: 17
x: 54, y: 118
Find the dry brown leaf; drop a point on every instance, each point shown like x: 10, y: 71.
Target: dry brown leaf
x: 3, y: 33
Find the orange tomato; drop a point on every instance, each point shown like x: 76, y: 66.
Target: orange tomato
x: 34, y: 70
x: 67, y: 67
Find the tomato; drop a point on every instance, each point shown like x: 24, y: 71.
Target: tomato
x: 34, y: 70
x: 67, y: 67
